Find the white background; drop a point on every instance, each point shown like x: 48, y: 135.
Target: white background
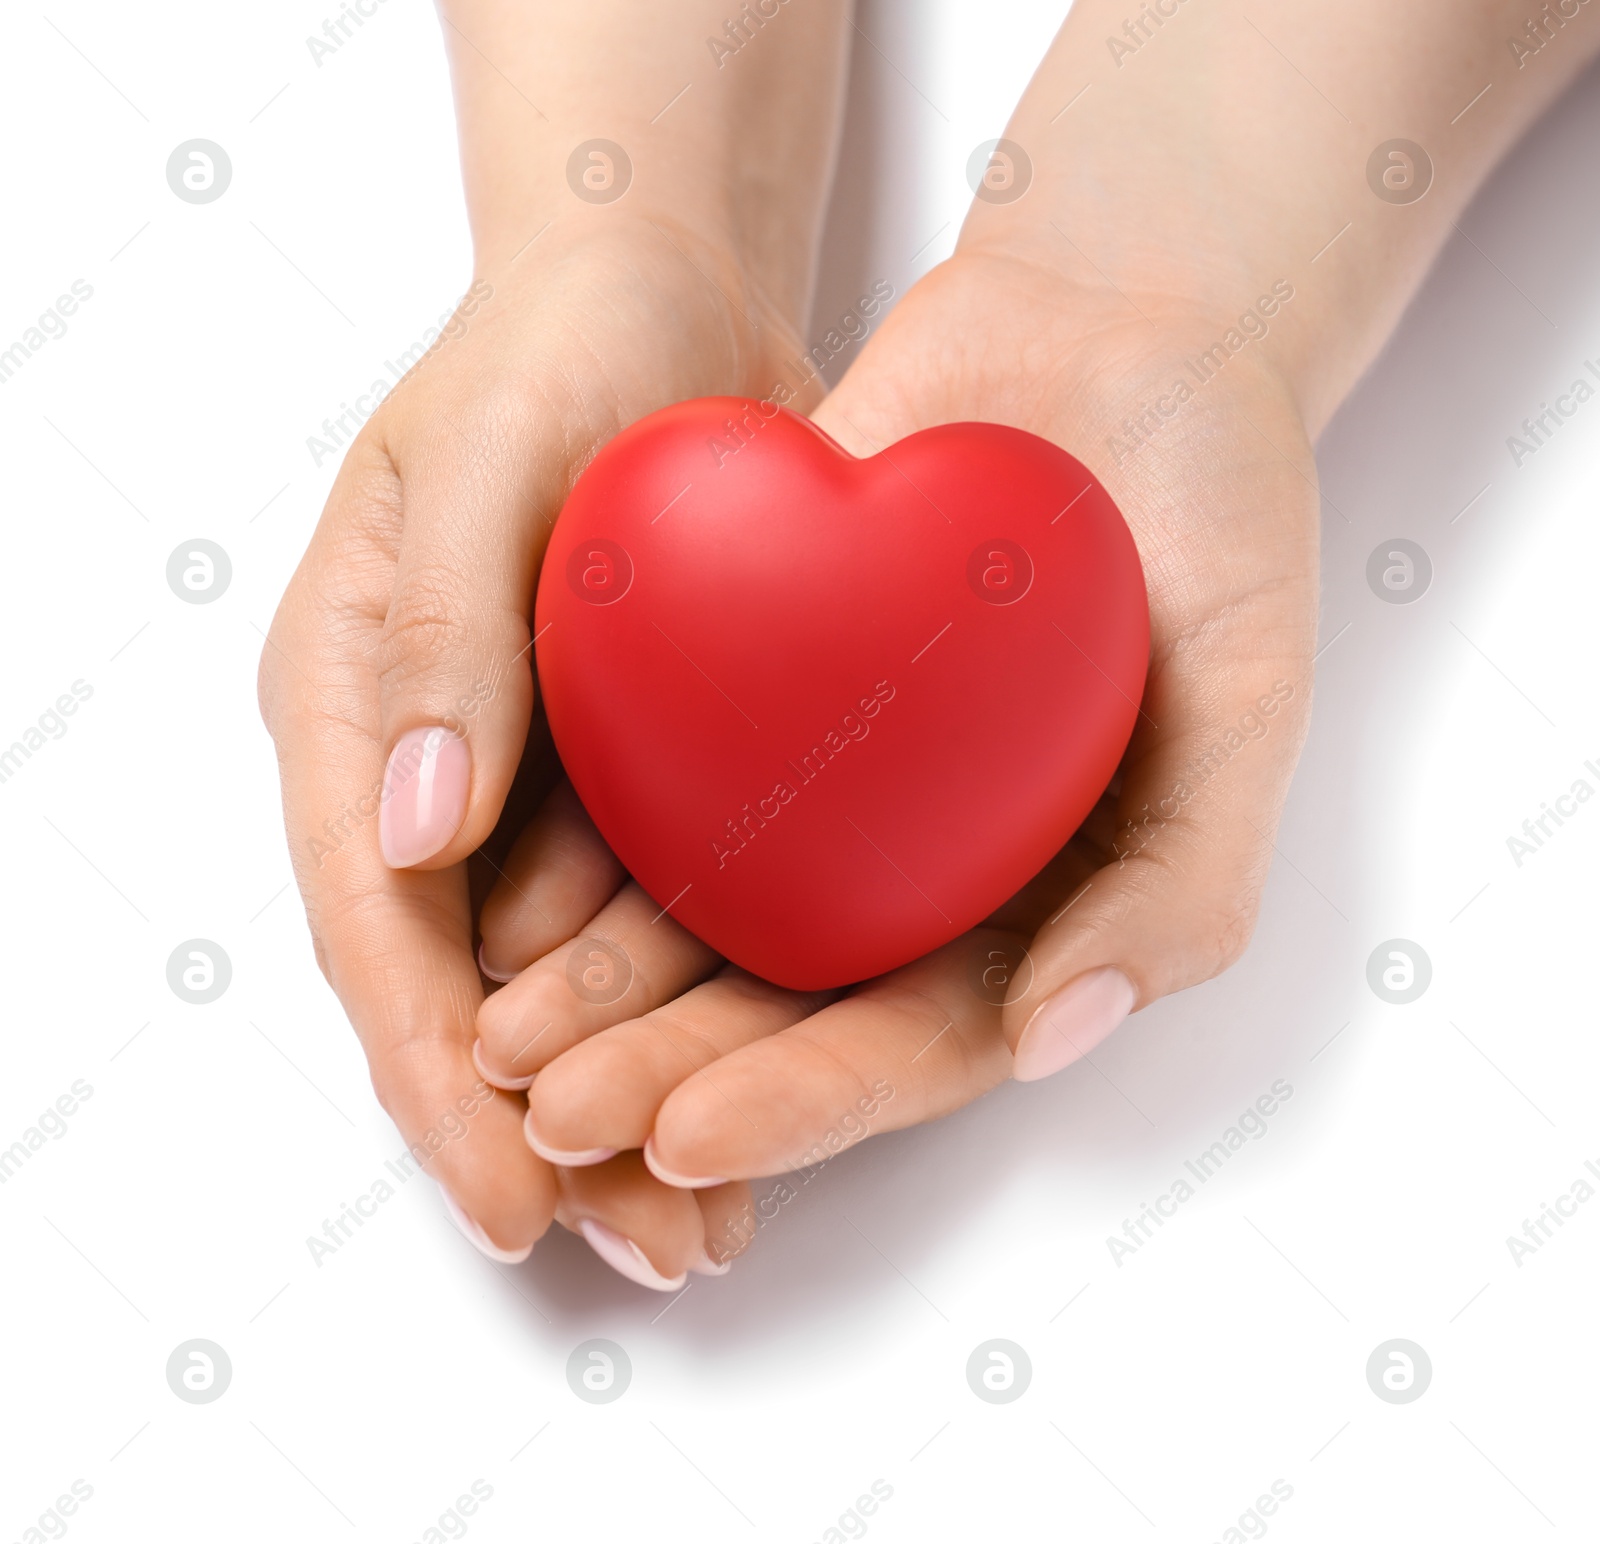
x: 1167, y: 1392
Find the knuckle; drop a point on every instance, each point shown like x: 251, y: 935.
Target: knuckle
x: 495, y: 1017
x: 266, y: 696
x: 503, y: 1019
x: 423, y: 627
x: 381, y: 1076
x: 319, y: 951
x: 734, y: 1230
x: 270, y: 681
x: 1231, y: 924
x: 685, y: 1036
x: 568, y: 1099
x: 1204, y: 926
x: 399, y: 998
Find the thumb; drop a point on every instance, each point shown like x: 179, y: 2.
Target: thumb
x: 1198, y: 813
x: 455, y: 658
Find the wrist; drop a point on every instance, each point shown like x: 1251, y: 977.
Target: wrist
x: 564, y: 132
x: 1209, y: 156
x: 1165, y: 329
x: 670, y: 280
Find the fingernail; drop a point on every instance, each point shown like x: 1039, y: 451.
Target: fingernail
x: 499, y: 1079
x: 477, y: 1237
x: 706, y: 1266
x: 489, y: 970
x: 1072, y: 1022
x: 579, y: 1159
x: 626, y: 1257
x: 425, y: 787
x: 667, y: 1177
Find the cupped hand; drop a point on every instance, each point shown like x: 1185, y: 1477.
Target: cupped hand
x: 396, y: 680
x: 721, y: 1077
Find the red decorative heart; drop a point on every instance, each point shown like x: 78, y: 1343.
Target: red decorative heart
x: 831, y: 712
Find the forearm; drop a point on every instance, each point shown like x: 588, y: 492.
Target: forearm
x: 1207, y: 155
x: 729, y: 130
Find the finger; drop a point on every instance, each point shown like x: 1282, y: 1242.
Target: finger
x: 602, y: 1095
x: 909, y: 1047
x: 642, y: 1229
x: 394, y: 946
x: 632, y: 958
x: 1197, y: 816
x: 1179, y: 901
x: 559, y: 874
x: 454, y: 657
x: 728, y: 1217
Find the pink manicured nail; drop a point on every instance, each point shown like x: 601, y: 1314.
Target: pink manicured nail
x: 425, y: 795
x: 478, y: 1238
x: 667, y: 1177
x: 499, y: 1079
x: 1072, y: 1022
x: 579, y: 1159
x: 491, y: 972
x: 626, y: 1258
x: 706, y: 1266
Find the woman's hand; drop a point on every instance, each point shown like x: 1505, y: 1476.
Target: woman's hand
x: 397, y: 681
x: 407, y: 619
x: 1199, y: 271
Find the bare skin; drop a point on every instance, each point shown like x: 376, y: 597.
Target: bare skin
x: 414, y: 594
x: 1192, y: 177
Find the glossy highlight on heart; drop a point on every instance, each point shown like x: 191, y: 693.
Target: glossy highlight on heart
x: 830, y: 712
